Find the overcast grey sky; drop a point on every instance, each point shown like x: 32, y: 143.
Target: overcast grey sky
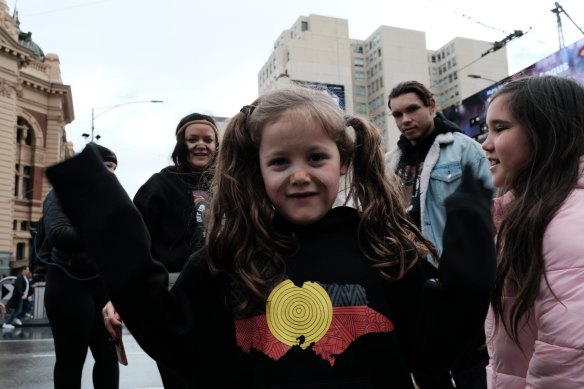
x: 205, y: 56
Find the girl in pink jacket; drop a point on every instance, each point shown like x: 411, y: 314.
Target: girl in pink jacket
x: 535, y: 144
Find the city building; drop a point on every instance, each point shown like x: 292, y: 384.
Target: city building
x: 35, y: 106
x: 318, y: 51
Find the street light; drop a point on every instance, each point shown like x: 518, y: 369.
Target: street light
x: 481, y: 78
x: 107, y: 109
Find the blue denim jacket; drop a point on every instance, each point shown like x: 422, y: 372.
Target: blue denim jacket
x: 441, y: 175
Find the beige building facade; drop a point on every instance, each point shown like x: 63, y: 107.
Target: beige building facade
x: 318, y: 51
x: 35, y: 106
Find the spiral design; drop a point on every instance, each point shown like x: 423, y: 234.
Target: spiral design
x: 299, y: 316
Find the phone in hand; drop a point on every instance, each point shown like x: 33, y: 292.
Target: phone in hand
x: 119, y: 345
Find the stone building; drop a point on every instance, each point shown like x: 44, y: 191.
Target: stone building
x: 318, y: 51
x: 35, y: 106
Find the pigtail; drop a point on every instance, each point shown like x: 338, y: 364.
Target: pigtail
x: 238, y: 238
x: 386, y: 235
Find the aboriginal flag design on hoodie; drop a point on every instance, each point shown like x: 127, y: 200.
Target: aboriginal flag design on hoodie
x: 327, y: 317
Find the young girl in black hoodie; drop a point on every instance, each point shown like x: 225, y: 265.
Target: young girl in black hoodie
x: 290, y: 292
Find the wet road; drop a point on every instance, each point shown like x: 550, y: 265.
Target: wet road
x: 27, y: 356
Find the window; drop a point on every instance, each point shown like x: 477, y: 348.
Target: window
x: 360, y: 90
x: 23, y: 132
x: 360, y: 76
x: 304, y: 26
x: 20, y: 250
x: 359, y: 62
x: 22, y: 182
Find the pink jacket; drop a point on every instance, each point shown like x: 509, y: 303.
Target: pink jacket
x: 553, y: 338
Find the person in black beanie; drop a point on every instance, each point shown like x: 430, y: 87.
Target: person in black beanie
x: 74, y: 297
x: 173, y: 204
x: 109, y: 157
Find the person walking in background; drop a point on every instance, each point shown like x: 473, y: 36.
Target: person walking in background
x: 173, y: 204
x: 74, y: 297
x: 429, y: 160
x: 290, y: 291
x: 19, y: 297
x: 535, y: 144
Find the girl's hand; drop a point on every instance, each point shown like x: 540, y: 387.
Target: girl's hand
x: 111, y: 319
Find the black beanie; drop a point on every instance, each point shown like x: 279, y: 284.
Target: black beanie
x: 106, y: 154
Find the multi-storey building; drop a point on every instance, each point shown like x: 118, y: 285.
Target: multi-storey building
x: 35, y: 106
x: 317, y: 51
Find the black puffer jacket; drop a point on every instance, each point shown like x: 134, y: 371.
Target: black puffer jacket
x: 67, y: 248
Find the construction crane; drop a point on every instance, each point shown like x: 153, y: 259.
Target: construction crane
x: 559, y: 10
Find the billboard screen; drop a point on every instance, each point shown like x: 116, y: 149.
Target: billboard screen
x: 337, y: 92
x: 470, y: 114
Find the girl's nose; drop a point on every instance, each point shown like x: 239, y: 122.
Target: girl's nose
x: 299, y: 177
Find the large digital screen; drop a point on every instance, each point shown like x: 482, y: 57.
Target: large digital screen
x: 337, y: 92
x: 470, y: 114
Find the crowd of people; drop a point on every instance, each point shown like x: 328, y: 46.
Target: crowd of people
x: 292, y: 252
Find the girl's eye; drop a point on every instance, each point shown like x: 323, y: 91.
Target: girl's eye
x: 499, y: 129
x: 277, y: 162
x: 317, y: 158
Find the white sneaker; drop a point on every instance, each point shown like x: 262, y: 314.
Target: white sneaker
x: 17, y: 321
x: 27, y: 316
x: 8, y: 326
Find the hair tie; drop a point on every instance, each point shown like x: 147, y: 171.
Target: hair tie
x: 247, y: 109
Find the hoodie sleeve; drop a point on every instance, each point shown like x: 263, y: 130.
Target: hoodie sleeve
x: 455, y: 305
x: 114, y: 233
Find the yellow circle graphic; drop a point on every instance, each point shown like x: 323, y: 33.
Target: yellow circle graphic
x: 299, y: 316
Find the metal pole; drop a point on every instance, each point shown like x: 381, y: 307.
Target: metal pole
x: 92, y: 123
x: 109, y: 108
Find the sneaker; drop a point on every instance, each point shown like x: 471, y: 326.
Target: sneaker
x: 17, y: 322
x: 27, y: 316
x: 8, y: 326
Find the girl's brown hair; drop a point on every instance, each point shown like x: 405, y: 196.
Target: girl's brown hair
x: 240, y: 240
x: 549, y: 110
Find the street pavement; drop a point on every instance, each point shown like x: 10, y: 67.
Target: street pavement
x: 27, y: 357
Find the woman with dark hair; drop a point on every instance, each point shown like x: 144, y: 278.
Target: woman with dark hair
x: 173, y: 204
x: 173, y: 201
x: 535, y: 143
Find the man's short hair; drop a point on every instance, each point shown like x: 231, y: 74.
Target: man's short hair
x: 411, y: 87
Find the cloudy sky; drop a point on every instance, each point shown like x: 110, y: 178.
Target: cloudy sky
x: 204, y: 56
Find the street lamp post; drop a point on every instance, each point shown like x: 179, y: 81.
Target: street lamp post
x: 109, y: 108
x: 481, y: 78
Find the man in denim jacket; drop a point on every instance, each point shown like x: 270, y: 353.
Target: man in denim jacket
x: 429, y: 159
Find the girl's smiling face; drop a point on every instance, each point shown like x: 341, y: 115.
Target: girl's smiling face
x: 507, y: 145
x: 301, y: 167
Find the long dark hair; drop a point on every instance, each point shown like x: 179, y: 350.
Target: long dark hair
x: 549, y: 110
x: 241, y: 242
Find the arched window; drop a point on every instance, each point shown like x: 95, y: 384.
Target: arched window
x: 24, y: 132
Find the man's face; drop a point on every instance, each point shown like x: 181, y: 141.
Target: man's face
x: 412, y: 117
